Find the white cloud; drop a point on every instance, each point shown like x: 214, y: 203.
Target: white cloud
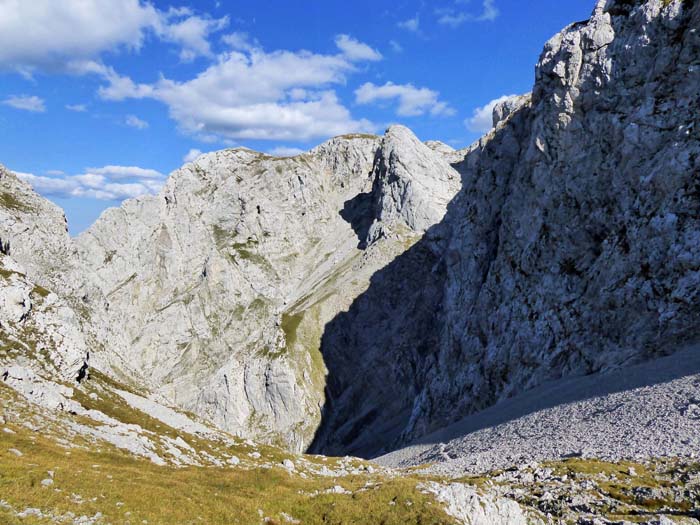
x: 26, y: 103
x: 284, y: 151
x: 412, y: 24
x: 490, y: 12
x: 481, y: 120
x: 111, y: 183
x: 192, y: 155
x: 190, y: 32
x: 254, y: 94
x: 412, y: 101
x: 65, y: 36
x: 135, y: 122
x: 126, y: 172
x: 239, y: 41
x: 452, y: 18
x: 45, y: 34
x: 78, y: 108
x: 355, y: 50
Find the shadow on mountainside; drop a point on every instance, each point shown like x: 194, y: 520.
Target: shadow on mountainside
x: 377, y: 354
x: 357, y: 213
x: 382, y: 351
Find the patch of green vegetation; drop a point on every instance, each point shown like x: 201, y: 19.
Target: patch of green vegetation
x: 9, y: 201
x: 41, y: 291
x: 303, y: 332
x: 222, y: 237
x: 622, y: 481
x: 21, y: 343
x: 238, y: 251
x: 6, y: 274
x: 244, y: 251
x: 270, y: 353
x: 290, y: 324
x: 96, y: 478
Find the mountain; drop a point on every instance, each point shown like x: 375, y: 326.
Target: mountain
x: 378, y: 292
x: 571, y: 248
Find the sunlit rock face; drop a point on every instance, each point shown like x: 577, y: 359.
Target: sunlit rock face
x: 216, y: 292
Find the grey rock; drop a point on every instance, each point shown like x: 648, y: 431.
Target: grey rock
x: 570, y: 250
x: 471, y: 508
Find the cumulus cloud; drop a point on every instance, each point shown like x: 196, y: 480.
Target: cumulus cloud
x: 355, y: 50
x: 412, y: 101
x: 26, y: 103
x: 481, y: 120
x: 490, y: 11
x: 255, y: 94
x: 451, y: 17
x: 134, y: 122
x: 190, y: 32
x: 192, y: 155
x: 240, y: 41
x: 127, y: 172
x: 110, y: 183
x: 70, y: 36
x: 78, y: 108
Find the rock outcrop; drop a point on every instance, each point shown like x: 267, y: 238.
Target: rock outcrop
x: 38, y: 330
x: 216, y: 291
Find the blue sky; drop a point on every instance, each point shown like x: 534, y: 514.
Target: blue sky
x: 100, y: 99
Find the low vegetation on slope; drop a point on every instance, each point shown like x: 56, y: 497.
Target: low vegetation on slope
x: 49, y: 478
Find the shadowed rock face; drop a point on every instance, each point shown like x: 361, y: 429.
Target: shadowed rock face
x: 375, y: 289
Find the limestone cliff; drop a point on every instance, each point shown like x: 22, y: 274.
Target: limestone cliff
x: 216, y: 292
x: 572, y: 247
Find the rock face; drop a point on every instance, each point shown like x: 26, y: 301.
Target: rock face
x: 33, y: 231
x: 38, y: 329
x: 375, y: 289
x: 216, y: 291
x: 574, y: 243
x: 471, y: 508
x: 571, y: 249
